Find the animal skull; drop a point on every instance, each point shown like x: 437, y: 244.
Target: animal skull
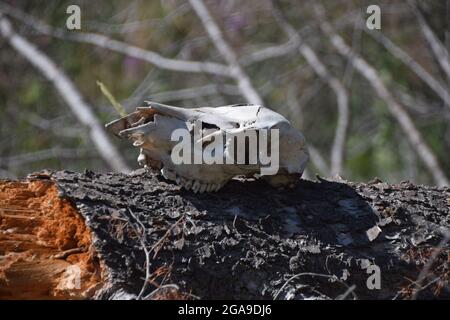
x: 151, y: 128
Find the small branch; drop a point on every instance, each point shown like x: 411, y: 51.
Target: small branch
x: 68, y: 92
x: 271, y: 52
x: 426, y: 269
x: 157, y: 246
x: 347, y: 293
x: 143, y: 242
x: 227, y: 53
x: 192, y: 93
x: 436, y: 46
x: 55, y: 152
x: 397, y: 110
x: 159, y: 289
x: 118, y: 46
x: 318, y: 160
x: 141, y: 232
x: 311, y: 274
x: 57, y: 126
x: 408, y: 61
x: 289, y: 47
x: 337, y: 151
x: 424, y: 108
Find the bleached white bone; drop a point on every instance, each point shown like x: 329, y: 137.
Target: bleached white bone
x: 151, y: 127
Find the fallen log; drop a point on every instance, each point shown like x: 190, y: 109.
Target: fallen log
x: 67, y: 235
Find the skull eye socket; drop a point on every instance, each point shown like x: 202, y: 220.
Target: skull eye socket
x: 206, y: 125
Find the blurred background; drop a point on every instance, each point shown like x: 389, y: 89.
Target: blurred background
x: 371, y: 103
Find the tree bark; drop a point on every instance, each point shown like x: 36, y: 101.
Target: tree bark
x: 319, y: 240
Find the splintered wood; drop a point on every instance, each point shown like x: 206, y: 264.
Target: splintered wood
x: 45, y: 246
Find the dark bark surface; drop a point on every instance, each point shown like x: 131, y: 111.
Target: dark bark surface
x: 249, y: 240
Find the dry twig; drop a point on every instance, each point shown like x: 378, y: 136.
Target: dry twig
x: 398, y: 111
x: 68, y: 92
x: 338, y: 147
x: 216, y: 36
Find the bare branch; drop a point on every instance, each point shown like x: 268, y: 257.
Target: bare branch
x: 58, y: 126
x: 397, y: 110
x: 426, y: 269
x: 52, y: 153
x: 161, y: 288
x: 118, y: 46
x: 69, y: 93
x: 184, y: 94
x: 337, y: 151
x: 290, y: 47
x: 332, y: 277
x: 420, y: 106
x: 191, y: 93
x: 268, y: 53
x: 296, y: 107
x: 438, y: 49
x: 404, y: 57
x: 141, y: 232
x: 317, y: 159
x: 242, y: 79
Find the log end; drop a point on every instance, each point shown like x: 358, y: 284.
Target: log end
x: 46, y: 248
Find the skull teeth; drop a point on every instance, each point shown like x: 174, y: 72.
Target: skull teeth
x: 190, y: 184
x: 169, y: 174
x: 203, y: 188
x: 196, y: 186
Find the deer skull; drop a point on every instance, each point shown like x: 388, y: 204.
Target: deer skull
x: 224, y: 142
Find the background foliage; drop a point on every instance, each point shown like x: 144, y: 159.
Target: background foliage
x: 37, y: 129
